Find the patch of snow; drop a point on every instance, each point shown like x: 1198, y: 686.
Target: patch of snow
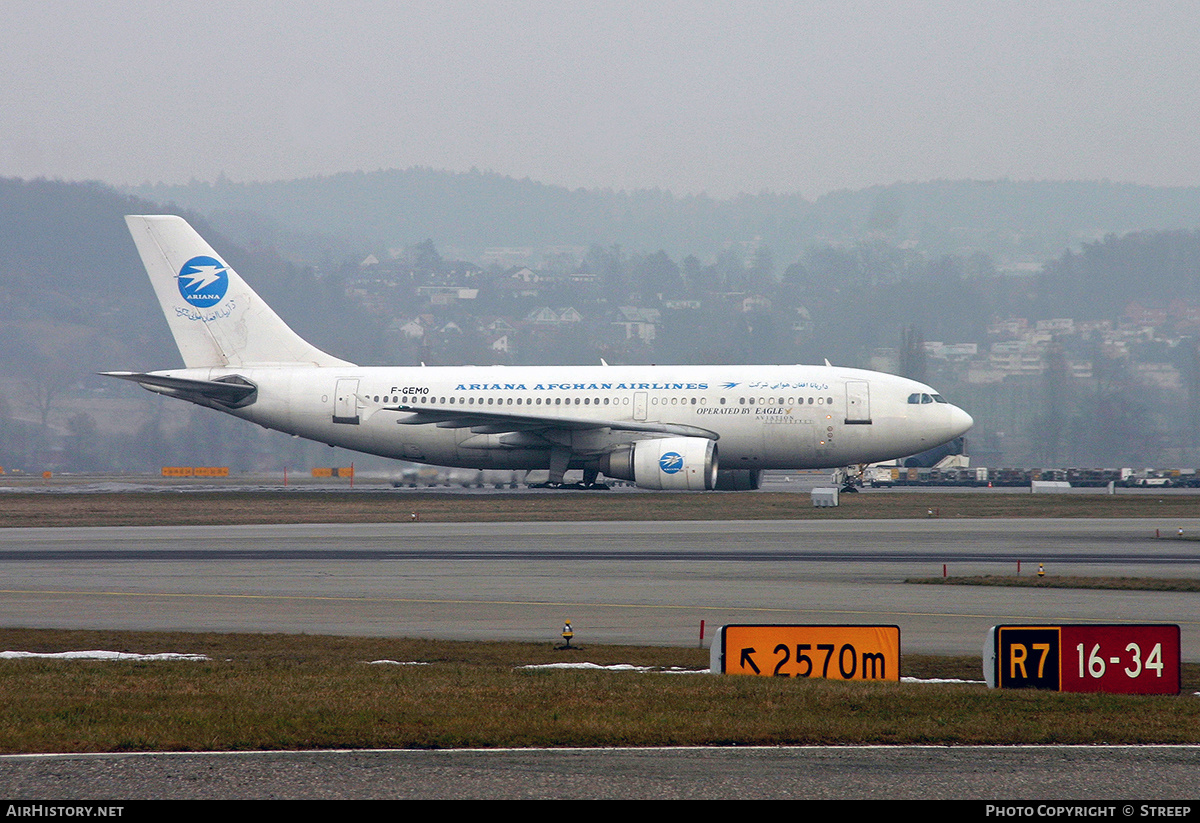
x: 101, y: 655
x: 616, y: 667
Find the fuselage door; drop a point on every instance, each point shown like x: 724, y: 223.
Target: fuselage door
x: 640, y: 400
x: 858, y: 402
x: 345, y: 402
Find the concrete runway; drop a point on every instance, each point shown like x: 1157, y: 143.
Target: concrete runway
x: 1116, y: 774
x: 618, y: 583
x: 621, y: 582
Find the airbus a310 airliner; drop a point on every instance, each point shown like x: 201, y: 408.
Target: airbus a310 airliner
x: 660, y: 427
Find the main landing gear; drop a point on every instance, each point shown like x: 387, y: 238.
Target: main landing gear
x: 851, y: 478
x: 590, y: 477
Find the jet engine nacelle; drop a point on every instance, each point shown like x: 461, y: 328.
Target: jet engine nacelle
x: 686, y: 463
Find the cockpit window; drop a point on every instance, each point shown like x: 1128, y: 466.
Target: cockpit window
x: 914, y: 399
x: 938, y: 398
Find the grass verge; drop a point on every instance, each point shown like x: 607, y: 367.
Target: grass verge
x: 307, y: 692
x: 1138, y: 584
x: 271, y: 507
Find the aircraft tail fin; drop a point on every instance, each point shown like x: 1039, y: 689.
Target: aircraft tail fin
x: 216, y: 318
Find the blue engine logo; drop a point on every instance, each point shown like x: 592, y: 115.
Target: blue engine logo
x: 671, y: 463
x: 203, y: 281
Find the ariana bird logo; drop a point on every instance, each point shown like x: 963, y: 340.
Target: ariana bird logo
x: 203, y: 281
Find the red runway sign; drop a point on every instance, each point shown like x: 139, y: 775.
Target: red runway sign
x: 1121, y: 659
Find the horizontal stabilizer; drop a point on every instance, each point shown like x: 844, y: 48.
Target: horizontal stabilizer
x: 232, y: 392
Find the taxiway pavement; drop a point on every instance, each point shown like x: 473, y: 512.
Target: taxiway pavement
x: 617, y: 582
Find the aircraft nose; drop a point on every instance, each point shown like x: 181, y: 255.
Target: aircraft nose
x: 960, y: 421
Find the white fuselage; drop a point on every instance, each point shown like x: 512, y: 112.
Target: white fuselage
x: 663, y: 427
x: 765, y: 417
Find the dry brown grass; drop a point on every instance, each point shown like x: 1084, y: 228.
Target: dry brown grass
x: 1143, y: 584
x: 285, y: 692
x: 302, y: 506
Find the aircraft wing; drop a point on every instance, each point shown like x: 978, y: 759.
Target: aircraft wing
x: 489, y: 422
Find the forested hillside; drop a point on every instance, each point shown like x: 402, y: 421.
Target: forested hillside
x: 1019, y: 220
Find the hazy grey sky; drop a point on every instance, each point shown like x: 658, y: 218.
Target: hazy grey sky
x: 692, y: 96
